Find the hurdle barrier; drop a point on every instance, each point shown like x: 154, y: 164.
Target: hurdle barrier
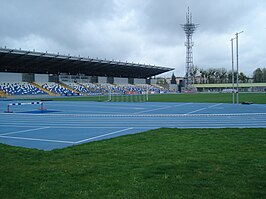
x: 21, y: 104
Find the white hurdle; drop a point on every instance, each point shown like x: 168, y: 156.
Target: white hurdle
x: 21, y: 104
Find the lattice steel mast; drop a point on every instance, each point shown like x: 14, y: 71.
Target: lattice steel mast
x: 189, y: 29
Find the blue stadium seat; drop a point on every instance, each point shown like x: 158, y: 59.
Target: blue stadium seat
x: 20, y: 88
x: 56, y: 88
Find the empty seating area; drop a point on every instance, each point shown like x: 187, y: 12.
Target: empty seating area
x: 95, y: 89
x: 152, y: 88
x: 112, y: 88
x: 20, y: 88
x: 56, y: 88
x: 82, y: 89
x: 132, y: 89
x: 69, y: 89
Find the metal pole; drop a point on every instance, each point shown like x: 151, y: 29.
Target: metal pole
x: 110, y: 94
x: 233, y: 71
x: 237, y: 71
x: 147, y: 94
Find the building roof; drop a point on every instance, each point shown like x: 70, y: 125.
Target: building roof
x: 21, y: 61
x: 229, y: 85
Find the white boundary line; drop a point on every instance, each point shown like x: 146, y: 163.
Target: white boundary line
x: 135, y: 115
x: 104, y: 135
x: 24, y: 131
x: 36, y: 139
x: 62, y: 126
x: 203, y: 108
x: 156, y: 109
x: 18, y: 126
x: 165, y: 107
x: 67, y: 142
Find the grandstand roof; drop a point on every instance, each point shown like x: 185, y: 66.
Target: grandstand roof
x: 20, y: 61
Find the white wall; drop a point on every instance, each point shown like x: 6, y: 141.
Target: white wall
x: 102, y: 79
x: 10, y: 77
x: 119, y: 80
x: 153, y: 81
x: 41, y: 78
x: 173, y: 87
x: 139, y: 81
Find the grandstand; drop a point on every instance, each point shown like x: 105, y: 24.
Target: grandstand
x: 22, y: 88
x: 42, y: 73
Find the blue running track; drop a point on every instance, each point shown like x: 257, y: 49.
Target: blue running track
x: 70, y: 123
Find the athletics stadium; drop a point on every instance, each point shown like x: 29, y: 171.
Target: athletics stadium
x: 32, y: 117
x: 78, y: 127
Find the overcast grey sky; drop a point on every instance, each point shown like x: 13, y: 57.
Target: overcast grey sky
x: 141, y: 31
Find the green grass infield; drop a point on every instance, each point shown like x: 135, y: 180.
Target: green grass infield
x: 162, y: 163
x: 258, y: 98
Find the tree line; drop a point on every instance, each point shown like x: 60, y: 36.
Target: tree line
x: 221, y: 75
x: 259, y: 75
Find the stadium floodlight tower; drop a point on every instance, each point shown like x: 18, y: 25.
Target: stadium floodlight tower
x: 189, y: 29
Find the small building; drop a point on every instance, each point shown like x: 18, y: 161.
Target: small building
x: 243, y: 87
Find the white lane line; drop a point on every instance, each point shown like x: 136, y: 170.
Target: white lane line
x: 215, y: 105
x: 85, y: 127
x: 196, y: 111
x: 63, y: 126
x: 36, y: 139
x: 203, y: 109
x: 10, y: 124
x: 104, y: 135
x: 23, y: 131
x: 140, y: 115
x: 146, y: 111
x: 161, y: 108
x: 182, y: 104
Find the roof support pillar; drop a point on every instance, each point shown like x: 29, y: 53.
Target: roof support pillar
x: 110, y: 80
x: 148, y: 81
x: 94, y: 79
x: 53, y: 78
x: 131, y: 80
x: 28, y: 77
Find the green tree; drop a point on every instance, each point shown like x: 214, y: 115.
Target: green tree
x: 193, y: 73
x: 202, y: 76
x: 242, y: 77
x: 258, y: 75
x: 173, y: 79
x: 264, y: 75
x: 211, y: 75
x: 223, y: 75
x: 230, y: 77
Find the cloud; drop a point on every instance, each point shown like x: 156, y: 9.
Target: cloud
x: 140, y: 31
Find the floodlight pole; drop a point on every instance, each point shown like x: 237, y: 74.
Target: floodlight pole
x: 237, y: 73
x: 189, y: 27
x: 233, y: 71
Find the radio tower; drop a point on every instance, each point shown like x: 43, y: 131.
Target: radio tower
x: 189, y: 29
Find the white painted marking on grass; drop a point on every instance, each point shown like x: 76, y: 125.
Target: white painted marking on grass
x: 23, y: 131
x: 36, y: 139
x: 203, y: 109
x: 104, y: 135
